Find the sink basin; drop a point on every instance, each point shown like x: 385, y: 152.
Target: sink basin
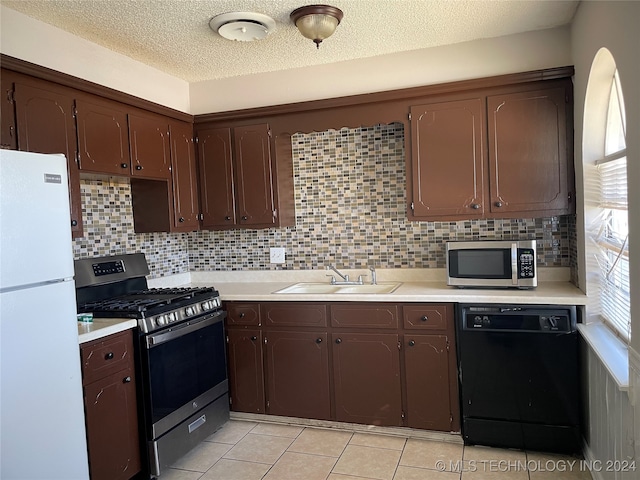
x: 325, y: 288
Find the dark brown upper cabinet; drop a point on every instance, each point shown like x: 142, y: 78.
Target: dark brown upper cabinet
x: 528, y: 151
x: 506, y: 153
x: 46, y: 124
x: 447, y: 144
x: 8, y: 136
x: 184, y: 175
x: 149, y: 146
x: 239, y: 184
x: 103, y: 137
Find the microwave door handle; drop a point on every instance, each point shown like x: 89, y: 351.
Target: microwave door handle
x: 514, y: 263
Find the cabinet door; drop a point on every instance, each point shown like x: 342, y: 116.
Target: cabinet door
x: 528, y: 151
x: 297, y: 371
x: 103, y: 138
x: 46, y: 124
x: 246, y: 372
x: 8, y: 137
x: 184, y: 177
x: 215, y: 162
x: 149, y: 144
x: 254, y: 176
x: 427, y: 382
x: 112, y: 427
x: 366, y: 376
x: 447, y: 154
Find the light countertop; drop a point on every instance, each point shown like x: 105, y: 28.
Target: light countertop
x: 418, y: 285
x: 558, y: 293
x: 101, y: 327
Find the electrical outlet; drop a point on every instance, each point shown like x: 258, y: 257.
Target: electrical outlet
x: 276, y: 255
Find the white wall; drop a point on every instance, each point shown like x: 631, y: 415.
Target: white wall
x: 612, y: 25
x: 37, y: 42
x: 614, y: 425
x: 480, y: 58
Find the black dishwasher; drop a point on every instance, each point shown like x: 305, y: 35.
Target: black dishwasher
x: 519, y: 378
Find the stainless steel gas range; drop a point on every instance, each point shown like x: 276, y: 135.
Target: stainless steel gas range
x: 180, y: 352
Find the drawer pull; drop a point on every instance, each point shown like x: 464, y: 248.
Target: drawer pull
x: 109, y: 356
x: 241, y: 315
x: 424, y: 318
x: 338, y: 340
x: 254, y: 338
x: 412, y: 343
x: 126, y: 380
x: 124, y: 165
x: 318, y: 340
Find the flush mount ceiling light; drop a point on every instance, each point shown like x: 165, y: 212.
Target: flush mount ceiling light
x: 317, y: 22
x: 242, y: 26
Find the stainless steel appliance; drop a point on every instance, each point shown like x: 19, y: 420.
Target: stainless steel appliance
x: 519, y: 378
x: 42, y: 429
x: 180, y: 351
x: 492, y: 264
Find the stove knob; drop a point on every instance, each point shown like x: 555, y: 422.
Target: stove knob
x: 171, y: 317
x: 206, y: 305
x: 189, y: 311
x: 161, y: 320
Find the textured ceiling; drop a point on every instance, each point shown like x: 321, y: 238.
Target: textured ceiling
x: 174, y: 35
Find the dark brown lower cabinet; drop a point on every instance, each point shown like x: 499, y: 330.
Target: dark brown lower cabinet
x: 111, y: 410
x: 246, y: 372
x: 358, y: 362
x: 297, y: 372
x: 366, y: 376
x: 426, y: 360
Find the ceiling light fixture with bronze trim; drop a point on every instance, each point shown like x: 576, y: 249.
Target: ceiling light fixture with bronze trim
x: 317, y: 22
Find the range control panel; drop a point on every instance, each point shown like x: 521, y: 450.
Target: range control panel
x: 526, y: 263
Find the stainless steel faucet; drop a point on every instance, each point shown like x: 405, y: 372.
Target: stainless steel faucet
x: 345, y: 278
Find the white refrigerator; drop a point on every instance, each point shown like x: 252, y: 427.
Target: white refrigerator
x: 42, y: 430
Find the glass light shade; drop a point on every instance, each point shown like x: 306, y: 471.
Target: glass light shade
x: 317, y: 27
x: 317, y: 22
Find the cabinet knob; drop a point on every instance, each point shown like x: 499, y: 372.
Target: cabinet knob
x: 424, y: 318
x: 108, y: 356
x: 338, y: 340
x: 412, y: 343
x: 241, y: 315
x: 475, y: 206
x: 227, y: 218
x: 254, y: 338
x: 126, y: 380
x: 318, y: 340
x: 138, y: 167
x: 124, y: 165
x: 244, y: 217
x: 74, y: 223
x: 498, y: 204
x: 181, y: 219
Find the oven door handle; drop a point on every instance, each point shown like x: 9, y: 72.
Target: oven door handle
x: 184, y: 329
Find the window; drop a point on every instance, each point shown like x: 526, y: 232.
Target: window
x: 608, y: 230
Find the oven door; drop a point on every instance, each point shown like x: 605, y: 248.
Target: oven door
x: 186, y: 368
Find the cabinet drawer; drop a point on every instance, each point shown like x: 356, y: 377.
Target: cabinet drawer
x: 295, y: 314
x: 374, y: 315
x: 106, y: 356
x: 426, y: 317
x: 243, y: 314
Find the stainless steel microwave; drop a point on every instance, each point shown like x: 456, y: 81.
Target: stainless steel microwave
x: 492, y: 264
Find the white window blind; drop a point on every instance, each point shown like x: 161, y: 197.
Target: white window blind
x: 612, y: 237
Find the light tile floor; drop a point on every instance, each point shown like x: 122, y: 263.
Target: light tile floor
x: 243, y: 450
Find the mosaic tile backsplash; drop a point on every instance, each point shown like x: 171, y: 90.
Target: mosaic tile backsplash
x: 350, y: 211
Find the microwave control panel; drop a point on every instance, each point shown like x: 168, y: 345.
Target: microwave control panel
x: 526, y: 263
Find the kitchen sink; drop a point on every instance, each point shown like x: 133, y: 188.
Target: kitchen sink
x: 325, y: 288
